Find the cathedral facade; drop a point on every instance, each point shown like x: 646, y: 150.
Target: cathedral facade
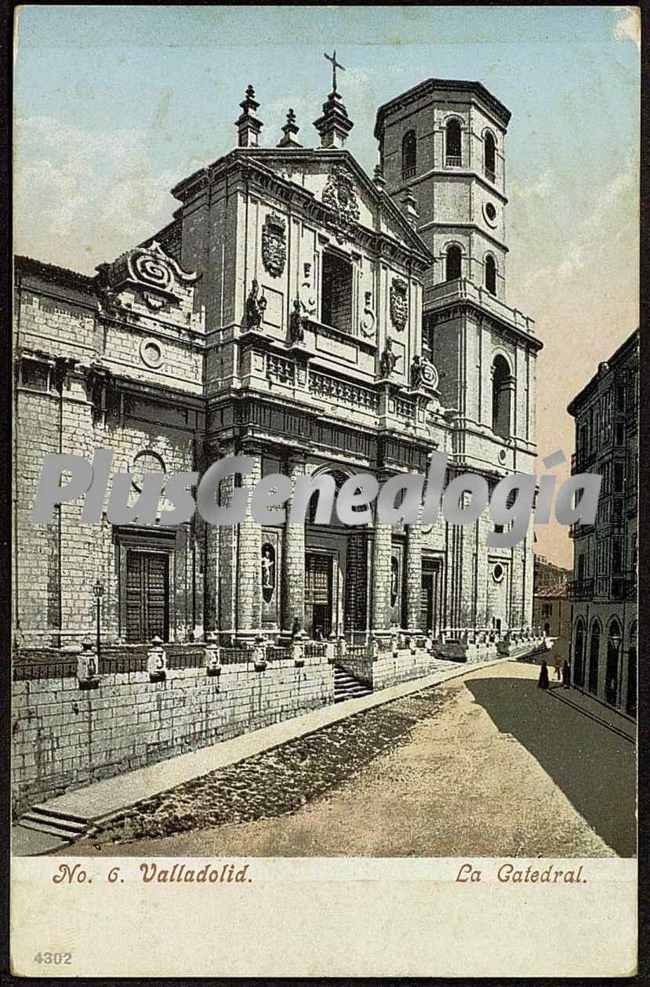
x: 317, y: 320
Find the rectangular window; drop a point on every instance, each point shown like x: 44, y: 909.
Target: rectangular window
x: 619, y: 473
x: 336, y: 292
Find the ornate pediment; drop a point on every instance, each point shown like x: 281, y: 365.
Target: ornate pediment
x: 149, y: 269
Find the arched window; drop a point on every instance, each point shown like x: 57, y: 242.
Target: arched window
x: 491, y: 274
x: 630, y: 704
x: 501, y: 386
x: 453, y: 265
x: 489, y: 156
x: 409, y: 154
x: 453, y: 151
x: 579, y: 655
x: 614, y: 638
x: 594, y: 655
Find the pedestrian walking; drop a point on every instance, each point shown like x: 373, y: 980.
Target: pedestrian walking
x: 566, y: 674
x: 542, y: 681
x: 557, y: 665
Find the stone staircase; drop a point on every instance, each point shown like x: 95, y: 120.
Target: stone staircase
x: 63, y: 826
x: 346, y: 686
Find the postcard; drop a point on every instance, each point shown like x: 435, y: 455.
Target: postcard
x: 325, y: 491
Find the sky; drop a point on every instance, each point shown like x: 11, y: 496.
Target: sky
x: 115, y: 105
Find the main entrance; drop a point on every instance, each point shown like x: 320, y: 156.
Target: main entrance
x: 147, y: 595
x: 318, y: 593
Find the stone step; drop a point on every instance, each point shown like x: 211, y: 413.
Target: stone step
x: 42, y: 809
x: 45, y: 819
x: 50, y: 829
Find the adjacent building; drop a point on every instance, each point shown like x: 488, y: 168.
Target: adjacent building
x: 604, y: 584
x: 552, y: 607
x: 318, y: 320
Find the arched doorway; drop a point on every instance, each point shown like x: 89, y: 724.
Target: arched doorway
x: 594, y: 657
x: 579, y: 654
x: 630, y: 704
x: 614, y: 638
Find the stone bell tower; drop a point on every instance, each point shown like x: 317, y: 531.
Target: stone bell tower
x: 442, y: 144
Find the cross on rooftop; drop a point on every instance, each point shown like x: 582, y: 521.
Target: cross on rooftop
x: 335, y: 65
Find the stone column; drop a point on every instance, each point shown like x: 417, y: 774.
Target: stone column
x: 248, y: 560
x: 413, y: 577
x: 293, y: 559
x: 381, y: 554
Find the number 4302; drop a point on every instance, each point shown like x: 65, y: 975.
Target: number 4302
x: 57, y: 959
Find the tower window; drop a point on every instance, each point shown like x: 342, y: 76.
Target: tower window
x: 491, y: 274
x: 489, y: 156
x: 453, y: 143
x: 336, y: 303
x: 409, y: 154
x: 453, y: 263
x: 501, y: 386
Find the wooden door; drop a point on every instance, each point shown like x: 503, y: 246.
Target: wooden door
x: 147, y: 595
x: 318, y: 593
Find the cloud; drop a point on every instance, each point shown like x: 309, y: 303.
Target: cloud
x: 628, y: 25
x: 81, y: 199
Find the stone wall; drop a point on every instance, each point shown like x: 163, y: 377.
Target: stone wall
x: 64, y: 737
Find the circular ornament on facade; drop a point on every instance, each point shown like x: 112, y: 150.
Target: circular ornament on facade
x: 146, y: 461
x: 151, y: 353
x: 426, y: 529
x: 502, y: 455
x: 490, y: 214
x: 498, y: 573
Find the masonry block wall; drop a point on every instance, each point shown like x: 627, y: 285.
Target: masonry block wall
x: 64, y: 737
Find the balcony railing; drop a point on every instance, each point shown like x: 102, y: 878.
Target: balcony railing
x: 490, y: 175
x: 342, y: 392
x: 581, y: 589
x: 454, y: 160
x: 450, y: 292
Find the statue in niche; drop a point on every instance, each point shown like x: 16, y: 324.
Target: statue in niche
x: 268, y: 571
x: 255, y: 307
x: 388, y: 359
x: 368, y: 320
x: 296, y: 331
x: 308, y: 301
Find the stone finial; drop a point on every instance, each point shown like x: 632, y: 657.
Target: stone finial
x: 378, y: 178
x: 290, y: 130
x: 410, y: 208
x: 334, y: 125
x: 248, y: 125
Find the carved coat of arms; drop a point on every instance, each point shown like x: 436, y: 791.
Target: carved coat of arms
x: 340, y: 196
x: 399, y: 306
x: 274, y: 247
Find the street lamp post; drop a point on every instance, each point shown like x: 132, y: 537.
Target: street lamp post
x: 98, y: 591
x: 616, y: 639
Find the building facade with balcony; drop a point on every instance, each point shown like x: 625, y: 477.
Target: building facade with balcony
x: 280, y: 315
x: 604, y: 584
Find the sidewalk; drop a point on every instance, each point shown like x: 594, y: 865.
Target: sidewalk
x: 596, y: 710
x: 104, y: 799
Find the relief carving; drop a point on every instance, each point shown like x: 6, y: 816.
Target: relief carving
x: 274, y: 247
x: 399, y: 308
x: 368, y: 320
